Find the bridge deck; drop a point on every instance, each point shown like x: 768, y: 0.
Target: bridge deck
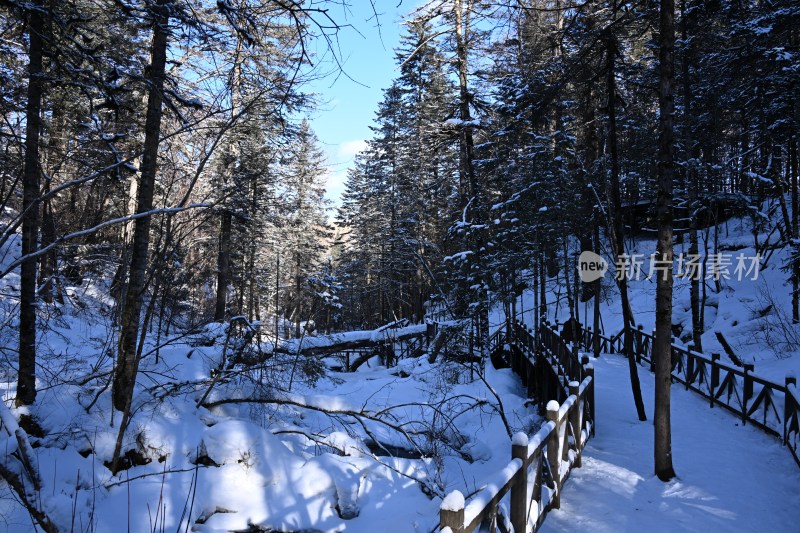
x: 731, y: 478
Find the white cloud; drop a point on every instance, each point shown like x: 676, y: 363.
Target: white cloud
x: 349, y: 149
x: 340, y: 159
x: 335, y: 180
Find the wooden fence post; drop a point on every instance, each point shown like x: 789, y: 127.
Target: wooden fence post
x: 689, y: 370
x: 531, y: 383
x: 572, y: 372
x: 672, y: 355
x: 589, y: 395
x: 714, y: 377
x: 576, y: 419
x: 747, y: 393
x: 531, y: 340
x: 537, y: 482
x: 787, y: 407
x: 653, y: 359
x: 451, y: 512
x: 519, y: 490
x: 554, y: 453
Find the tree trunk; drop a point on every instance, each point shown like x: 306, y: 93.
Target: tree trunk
x: 572, y: 305
x: 251, y: 285
x: 127, y: 361
x: 466, y: 145
x: 49, y: 264
x: 226, y: 218
x: 223, y: 265
x: 277, y: 292
x: 795, y: 218
x: 297, y: 301
x: 694, y: 290
x: 26, y: 382
x: 121, y: 274
x: 542, y: 311
x: 662, y: 349
x: 617, y: 233
x: 692, y: 150
x: 598, y: 289
x: 470, y: 201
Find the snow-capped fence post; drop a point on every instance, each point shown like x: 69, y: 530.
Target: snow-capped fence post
x: 554, y: 452
x: 788, y: 406
x: 576, y: 419
x: 451, y: 513
x: 714, y: 377
x: 519, y: 490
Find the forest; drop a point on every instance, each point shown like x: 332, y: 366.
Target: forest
x: 168, y: 252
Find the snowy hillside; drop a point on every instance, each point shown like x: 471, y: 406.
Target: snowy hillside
x: 333, y: 451
x: 751, y: 310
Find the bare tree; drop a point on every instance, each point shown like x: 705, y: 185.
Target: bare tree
x: 615, y: 202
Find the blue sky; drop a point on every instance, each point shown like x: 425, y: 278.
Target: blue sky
x: 348, y: 105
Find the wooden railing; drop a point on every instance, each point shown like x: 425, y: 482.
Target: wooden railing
x: 770, y: 406
x: 540, y: 465
x: 596, y: 341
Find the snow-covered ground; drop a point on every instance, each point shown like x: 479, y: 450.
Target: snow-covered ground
x: 730, y: 478
x: 302, y: 459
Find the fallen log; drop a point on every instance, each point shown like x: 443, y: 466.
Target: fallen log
x: 349, y: 341
x: 728, y: 350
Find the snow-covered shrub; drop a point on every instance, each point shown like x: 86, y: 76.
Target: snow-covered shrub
x: 774, y: 325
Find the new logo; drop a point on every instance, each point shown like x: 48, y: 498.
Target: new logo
x: 591, y: 267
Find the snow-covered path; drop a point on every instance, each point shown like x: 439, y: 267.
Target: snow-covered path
x: 729, y: 478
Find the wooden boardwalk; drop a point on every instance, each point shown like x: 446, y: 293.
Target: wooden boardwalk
x: 562, y: 382
x: 772, y: 407
x: 730, y: 478
x: 563, y: 385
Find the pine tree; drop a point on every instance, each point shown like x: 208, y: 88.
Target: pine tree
x: 306, y: 228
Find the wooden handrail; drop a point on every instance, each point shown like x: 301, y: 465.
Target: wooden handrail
x: 548, y: 455
x: 766, y: 404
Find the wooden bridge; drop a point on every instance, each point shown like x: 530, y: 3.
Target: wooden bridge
x: 563, y: 386
x: 561, y: 382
